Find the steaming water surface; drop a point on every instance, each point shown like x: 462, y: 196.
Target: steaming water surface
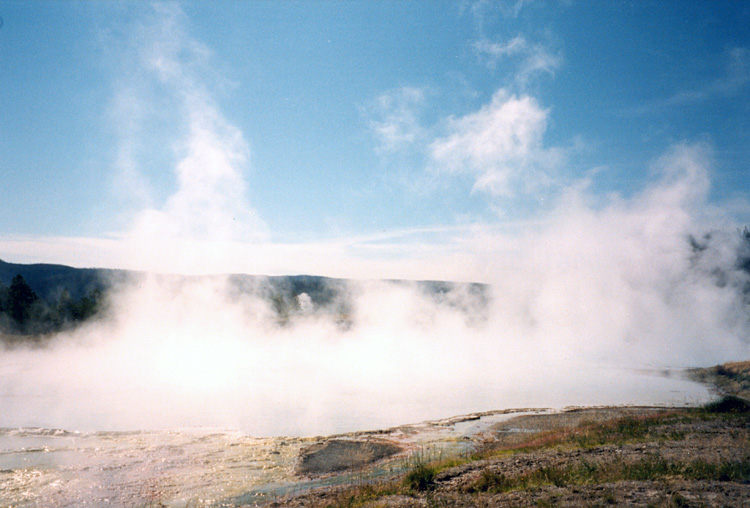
x: 203, y: 467
x: 589, y: 293
x: 201, y: 358
x: 122, y: 389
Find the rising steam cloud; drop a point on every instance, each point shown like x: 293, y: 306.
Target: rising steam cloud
x: 578, y: 300
x: 208, y: 210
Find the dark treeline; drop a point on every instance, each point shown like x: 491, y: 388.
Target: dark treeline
x: 40, y: 299
x: 23, y: 312
x: 744, y: 254
x: 722, y: 275
x: 43, y: 299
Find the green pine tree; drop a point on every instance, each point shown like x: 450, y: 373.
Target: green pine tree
x: 20, y: 299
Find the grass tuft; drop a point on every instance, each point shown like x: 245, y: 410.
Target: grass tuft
x: 491, y: 481
x: 421, y: 478
x: 423, y: 473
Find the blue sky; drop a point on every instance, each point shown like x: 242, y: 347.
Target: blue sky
x: 328, y: 136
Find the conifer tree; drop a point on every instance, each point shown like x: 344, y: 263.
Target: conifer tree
x: 20, y: 299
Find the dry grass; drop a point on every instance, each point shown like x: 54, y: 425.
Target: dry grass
x: 728, y: 379
x: 430, y: 480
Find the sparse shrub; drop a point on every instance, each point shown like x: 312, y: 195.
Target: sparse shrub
x: 677, y: 501
x: 609, y: 497
x: 492, y: 481
x: 738, y: 471
x: 735, y: 471
x: 550, y: 502
x: 728, y: 404
x: 722, y: 370
x: 557, y: 476
x: 650, y: 468
x: 421, y: 478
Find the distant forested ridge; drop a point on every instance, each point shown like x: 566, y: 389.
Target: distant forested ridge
x: 737, y: 274
x: 39, y: 299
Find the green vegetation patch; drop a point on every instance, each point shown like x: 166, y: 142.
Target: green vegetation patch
x: 651, y: 468
x: 728, y: 404
x: 421, y: 478
x: 731, y: 378
x: 423, y: 475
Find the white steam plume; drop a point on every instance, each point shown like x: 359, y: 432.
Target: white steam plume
x: 579, y: 303
x: 578, y: 300
x: 209, y: 210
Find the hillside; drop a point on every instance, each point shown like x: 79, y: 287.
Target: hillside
x: 65, y: 296
x: 47, y: 280
x: 727, y: 379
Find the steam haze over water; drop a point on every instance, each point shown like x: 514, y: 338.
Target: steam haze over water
x: 598, y: 272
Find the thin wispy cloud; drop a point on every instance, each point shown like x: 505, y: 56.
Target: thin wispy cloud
x: 210, y: 155
x: 525, y: 59
x: 129, y: 184
x: 496, y: 50
x: 395, y: 118
x: 734, y: 80
x: 520, y: 58
x: 484, y: 10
